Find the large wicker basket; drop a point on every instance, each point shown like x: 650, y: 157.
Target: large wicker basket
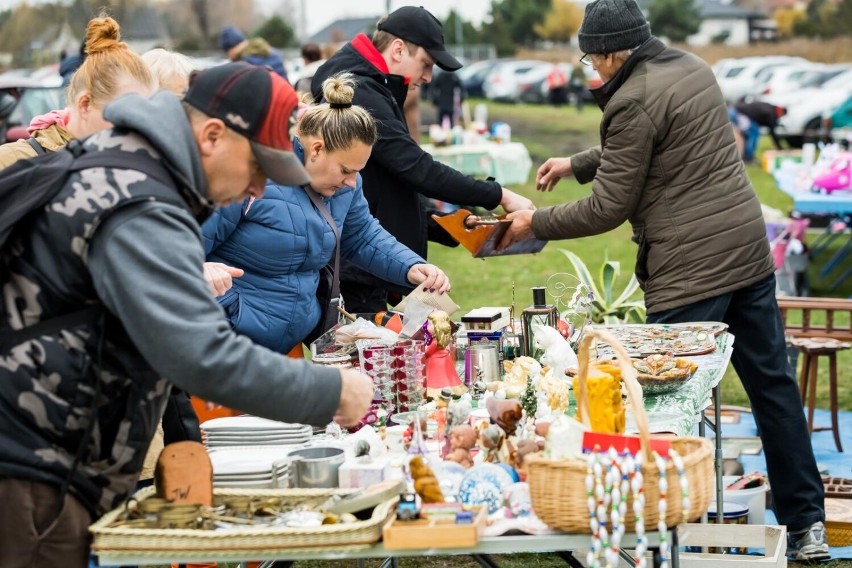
x: 558, y: 488
x: 178, y: 543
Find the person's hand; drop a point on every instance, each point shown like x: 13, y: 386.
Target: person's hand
x: 356, y: 395
x: 551, y: 172
x: 220, y: 276
x: 511, y: 202
x: 519, y: 230
x: 432, y: 278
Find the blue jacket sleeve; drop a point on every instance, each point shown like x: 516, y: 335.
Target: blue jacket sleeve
x: 219, y: 227
x: 371, y: 247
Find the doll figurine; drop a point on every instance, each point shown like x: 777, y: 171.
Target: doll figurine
x: 462, y: 440
x: 440, y: 366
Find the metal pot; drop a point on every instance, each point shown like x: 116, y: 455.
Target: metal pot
x: 314, y: 468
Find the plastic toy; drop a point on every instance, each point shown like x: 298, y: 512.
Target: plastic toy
x: 836, y: 177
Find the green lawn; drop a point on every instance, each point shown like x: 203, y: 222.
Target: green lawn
x: 547, y: 132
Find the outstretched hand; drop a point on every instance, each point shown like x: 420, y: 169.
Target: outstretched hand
x: 220, y: 276
x: 551, y: 172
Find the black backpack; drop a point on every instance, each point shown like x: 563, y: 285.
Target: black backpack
x: 27, y: 186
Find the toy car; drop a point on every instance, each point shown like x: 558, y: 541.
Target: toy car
x: 407, y: 509
x: 837, y: 177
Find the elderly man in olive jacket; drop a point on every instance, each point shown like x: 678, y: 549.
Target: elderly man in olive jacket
x: 668, y: 164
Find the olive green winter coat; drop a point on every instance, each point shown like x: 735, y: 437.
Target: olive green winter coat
x: 668, y: 164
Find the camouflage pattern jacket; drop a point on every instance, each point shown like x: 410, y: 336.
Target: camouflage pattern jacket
x: 120, y: 238
x: 47, y: 385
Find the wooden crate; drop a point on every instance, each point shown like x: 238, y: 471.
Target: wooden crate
x: 771, y: 537
x: 431, y: 533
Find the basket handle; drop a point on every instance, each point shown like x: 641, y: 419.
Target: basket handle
x: 628, y: 375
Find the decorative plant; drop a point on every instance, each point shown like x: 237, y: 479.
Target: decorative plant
x: 605, y: 307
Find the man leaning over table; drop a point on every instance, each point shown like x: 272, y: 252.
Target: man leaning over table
x: 408, y: 43
x: 79, y: 402
x: 668, y: 164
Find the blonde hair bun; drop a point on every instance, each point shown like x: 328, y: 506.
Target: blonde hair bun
x: 102, y: 34
x: 339, y: 89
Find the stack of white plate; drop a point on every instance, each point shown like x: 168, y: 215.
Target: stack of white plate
x: 253, y: 431
x: 255, y: 467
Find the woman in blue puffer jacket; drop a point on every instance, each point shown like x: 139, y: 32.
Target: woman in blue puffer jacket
x: 264, y: 256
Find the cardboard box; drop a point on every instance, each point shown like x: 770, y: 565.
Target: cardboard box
x: 772, y: 159
x: 356, y: 474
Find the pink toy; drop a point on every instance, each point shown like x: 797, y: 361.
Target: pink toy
x: 837, y: 177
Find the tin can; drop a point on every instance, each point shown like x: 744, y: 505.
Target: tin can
x: 734, y: 514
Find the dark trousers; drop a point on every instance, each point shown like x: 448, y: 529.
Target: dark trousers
x: 363, y: 298
x: 33, y: 535
x: 760, y: 359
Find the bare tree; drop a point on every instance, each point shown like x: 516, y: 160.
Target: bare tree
x: 199, y: 7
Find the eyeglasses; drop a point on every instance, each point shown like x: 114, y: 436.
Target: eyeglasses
x: 586, y: 59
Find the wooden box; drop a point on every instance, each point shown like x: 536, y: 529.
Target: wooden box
x: 770, y: 537
x: 431, y: 533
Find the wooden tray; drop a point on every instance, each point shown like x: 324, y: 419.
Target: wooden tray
x: 837, y: 487
x: 430, y: 533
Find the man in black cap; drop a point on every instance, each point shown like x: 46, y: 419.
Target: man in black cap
x: 399, y: 174
x: 105, y: 306
x: 669, y: 165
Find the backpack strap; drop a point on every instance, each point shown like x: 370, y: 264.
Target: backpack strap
x: 82, y: 161
x: 39, y: 149
x: 11, y: 337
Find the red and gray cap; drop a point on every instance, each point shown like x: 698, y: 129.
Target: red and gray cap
x: 417, y: 25
x: 257, y: 103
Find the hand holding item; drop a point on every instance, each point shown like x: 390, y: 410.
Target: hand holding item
x: 356, y: 395
x: 220, y: 276
x: 432, y: 278
x: 519, y: 230
x: 511, y: 202
x: 551, y: 172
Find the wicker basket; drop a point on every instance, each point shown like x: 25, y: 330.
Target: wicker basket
x: 838, y: 521
x: 162, y: 543
x: 558, y: 488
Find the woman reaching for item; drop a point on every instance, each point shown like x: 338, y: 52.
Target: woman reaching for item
x: 265, y: 256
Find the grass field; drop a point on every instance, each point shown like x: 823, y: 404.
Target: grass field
x: 547, y: 131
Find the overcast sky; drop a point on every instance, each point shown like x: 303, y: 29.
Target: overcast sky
x: 320, y: 13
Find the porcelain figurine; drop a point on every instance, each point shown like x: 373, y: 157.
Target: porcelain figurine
x: 440, y: 364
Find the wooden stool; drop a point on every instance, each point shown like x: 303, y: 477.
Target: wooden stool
x: 812, y: 348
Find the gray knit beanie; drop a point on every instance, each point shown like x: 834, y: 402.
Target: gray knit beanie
x: 612, y: 25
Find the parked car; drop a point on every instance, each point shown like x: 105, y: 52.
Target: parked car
x: 838, y: 124
x: 473, y: 76
x: 788, y: 78
x: 739, y: 78
x: 804, y: 118
x: 532, y: 85
x: 32, y: 98
x: 502, y: 83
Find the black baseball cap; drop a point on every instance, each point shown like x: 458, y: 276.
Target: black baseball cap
x: 257, y: 103
x: 417, y: 25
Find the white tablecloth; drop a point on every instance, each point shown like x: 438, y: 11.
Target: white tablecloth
x: 508, y: 163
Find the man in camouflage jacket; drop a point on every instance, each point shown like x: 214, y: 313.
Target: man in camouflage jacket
x: 78, y: 407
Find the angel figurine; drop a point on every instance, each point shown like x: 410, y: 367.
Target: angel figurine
x: 440, y: 365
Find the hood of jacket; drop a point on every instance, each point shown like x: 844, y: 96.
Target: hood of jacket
x: 362, y: 58
x: 256, y: 46
x: 163, y: 122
